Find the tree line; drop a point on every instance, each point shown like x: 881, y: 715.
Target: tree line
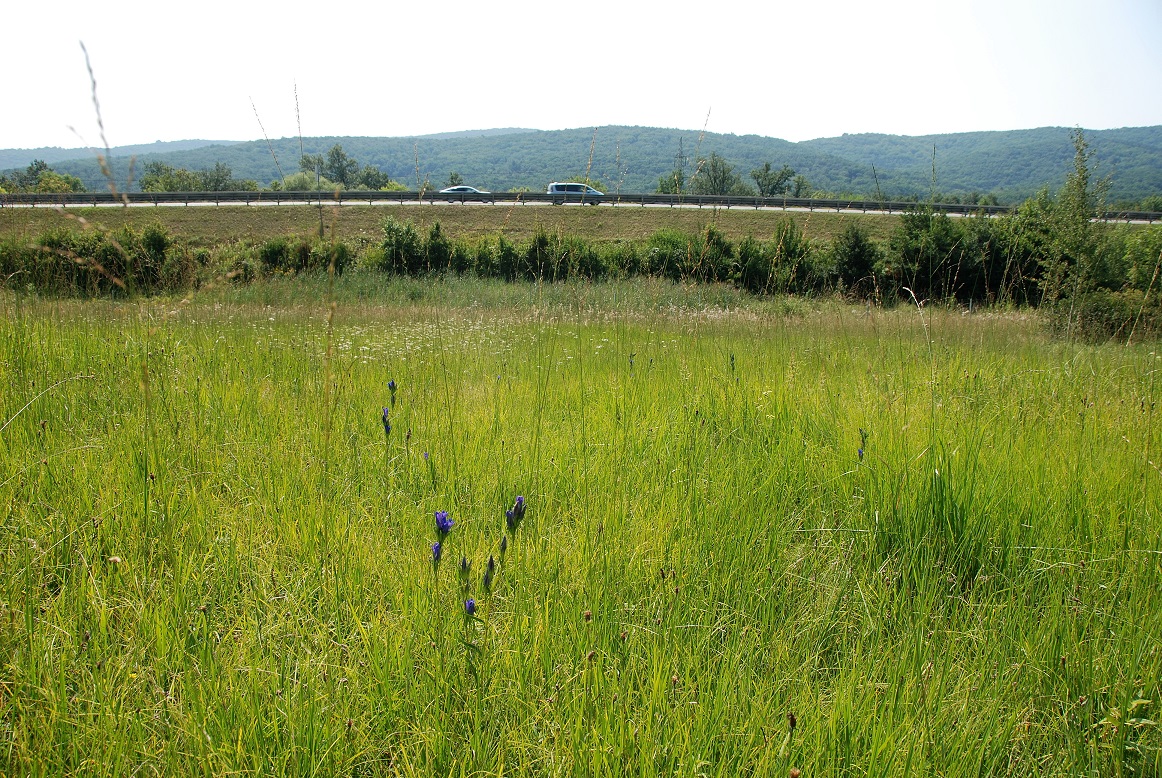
x: 39, y: 177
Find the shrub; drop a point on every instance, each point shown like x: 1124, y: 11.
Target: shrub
x: 754, y: 271
x: 854, y: 256
x: 402, y: 247
x: 1101, y: 314
x: 790, y: 255
x: 437, y: 249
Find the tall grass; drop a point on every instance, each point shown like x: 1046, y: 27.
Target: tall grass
x: 711, y: 552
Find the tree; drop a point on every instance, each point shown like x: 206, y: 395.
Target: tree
x: 715, y: 176
x: 675, y: 181
x: 308, y: 181
x: 455, y: 179
x: 855, y: 254
x: 311, y: 163
x: 52, y: 181
x: 39, y: 177
x: 160, y: 177
x: 371, y: 177
x: 219, y: 179
x: 1074, y: 259
x: 340, y: 168
x: 672, y: 182
x: 800, y: 187
x: 772, y: 183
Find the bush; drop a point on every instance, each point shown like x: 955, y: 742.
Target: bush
x: 100, y: 262
x: 854, y: 256
x: 1101, y: 314
x: 402, y: 248
x: 790, y: 262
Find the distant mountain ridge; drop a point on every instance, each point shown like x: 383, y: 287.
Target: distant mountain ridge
x: 1012, y: 165
x: 17, y: 158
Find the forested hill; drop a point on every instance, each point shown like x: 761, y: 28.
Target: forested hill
x: 18, y: 158
x: 1011, y: 165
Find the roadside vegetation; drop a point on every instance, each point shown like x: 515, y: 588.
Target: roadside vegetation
x: 1090, y: 279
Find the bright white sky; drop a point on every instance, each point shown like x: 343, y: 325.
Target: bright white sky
x: 793, y: 70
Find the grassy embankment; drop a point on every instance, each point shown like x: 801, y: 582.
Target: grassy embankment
x: 215, y: 561
x: 208, y: 226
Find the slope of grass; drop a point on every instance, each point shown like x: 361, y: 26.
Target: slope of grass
x: 224, y: 224
x: 758, y: 538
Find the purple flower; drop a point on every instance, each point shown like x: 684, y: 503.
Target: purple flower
x: 386, y: 422
x: 514, y: 515
x: 503, y: 545
x: 443, y: 523
x: 860, y: 452
x: 425, y: 456
x: 391, y: 386
x: 489, y: 572
x: 437, y: 549
x: 470, y: 607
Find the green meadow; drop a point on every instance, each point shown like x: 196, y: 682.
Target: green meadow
x: 762, y: 536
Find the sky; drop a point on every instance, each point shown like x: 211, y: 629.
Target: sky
x: 793, y: 70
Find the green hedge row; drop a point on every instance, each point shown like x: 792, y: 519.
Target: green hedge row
x: 1106, y: 282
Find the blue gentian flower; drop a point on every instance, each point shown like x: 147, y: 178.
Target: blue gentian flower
x: 437, y: 550
x: 391, y: 388
x: 514, y: 515
x: 489, y: 572
x: 443, y: 523
x: 470, y: 607
x: 386, y: 423
x: 860, y: 452
x: 503, y: 545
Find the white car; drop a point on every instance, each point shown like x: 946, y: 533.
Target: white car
x: 455, y: 193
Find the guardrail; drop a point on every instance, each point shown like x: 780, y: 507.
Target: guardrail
x: 92, y: 199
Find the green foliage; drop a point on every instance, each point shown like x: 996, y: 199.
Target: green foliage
x: 312, y: 163
x: 927, y: 250
x: 854, y: 258
x: 772, y: 183
x: 297, y: 255
x: 51, y: 181
x: 672, y: 182
x: 402, y: 248
x: 715, y: 176
x: 39, y: 177
x: 100, y: 262
x: 305, y: 181
x: 1099, y: 314
x: 340, y: 167
x: 160, y: 177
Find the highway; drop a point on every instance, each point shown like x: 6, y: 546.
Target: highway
x: 508, y: 199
